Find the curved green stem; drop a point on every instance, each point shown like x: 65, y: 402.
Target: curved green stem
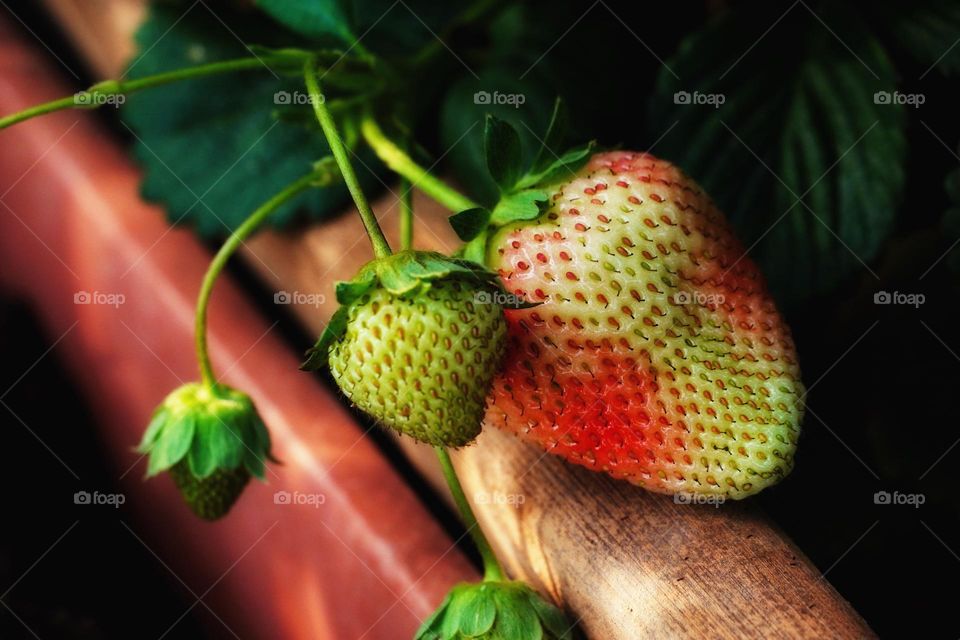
x: 492, y: 570
x: 400, y: 161
x: 216, y: 266
x: 406, y: 214
x: 123, y: 87
x: 381, y: 248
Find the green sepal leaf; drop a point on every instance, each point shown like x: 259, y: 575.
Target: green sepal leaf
x: 349, y: 290
x: 210, y: 446
x: 470, y: 223
x: 551, y: 617
x: 318, y: 354
x: 478, y: 613
x: 553, y: 139
x: 515, y: 617
x: 507, y: 610
x: 172, y: 444
x: 520, y: 205
x: 563, y: 167
x: 210, y: 429
x: 153, y: 430
x: 431, y: 627
x: 501, y: 144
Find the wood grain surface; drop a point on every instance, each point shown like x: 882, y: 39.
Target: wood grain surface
x: 626, y: 563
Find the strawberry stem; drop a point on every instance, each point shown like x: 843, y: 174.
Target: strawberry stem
x: 492, y: 570
x: 406, y: 215
x: 123, y: 87
x: 223, y: 255
x: 400, y: 162
x: 381, y: 248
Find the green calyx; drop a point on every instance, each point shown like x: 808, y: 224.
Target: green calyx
x: 206, y: 430
x: 523, y: 194
x: 403, y: 274
x: 507, y: 610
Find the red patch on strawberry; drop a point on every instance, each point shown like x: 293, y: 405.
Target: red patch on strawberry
x: 657, y: 355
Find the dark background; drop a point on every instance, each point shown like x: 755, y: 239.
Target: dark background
x: 883, y: 378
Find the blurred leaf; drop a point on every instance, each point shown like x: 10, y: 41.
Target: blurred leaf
x: 501, y: 146
x: 796, y: 116
x: 214, y: 149
x: 930, y: 30
x: 320, y: 19
x: 383, y: 26
x: 462, y: 123
x: 470, y: 223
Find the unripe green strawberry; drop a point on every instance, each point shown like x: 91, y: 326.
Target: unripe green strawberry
x: 211, y: 497
x: 416, y: 345
x: 211, y: 440
x: 657, y: 354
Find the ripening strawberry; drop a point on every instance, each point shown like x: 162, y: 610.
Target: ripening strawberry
x: 416, y: 345
x: 657, y: 354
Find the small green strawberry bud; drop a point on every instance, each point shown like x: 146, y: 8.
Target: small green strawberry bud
x: 210, y: 497
x: 495, y: 611
x: 211, y: 440
x: 416, y: 344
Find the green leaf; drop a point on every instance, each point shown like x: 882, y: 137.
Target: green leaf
x: 153, y: 430
x: 319, y: 19
x: 478, y: 613
x: 211, y: 444
x: 317, y: 356
x: 501, y: 145
x: 552, y: 618
x: 552, y: 143
x: 387, y: 27
x: 804, y: 161
x: 214, y: 148
x: 431, y: 627
x: 522, y: 205
x: 928, y: 29
x: 470, y: 223
x: 516, y: 619
x: 172, y: 444
x: 561, y: 168
x: 462, y: 124
x: 351, y: 290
